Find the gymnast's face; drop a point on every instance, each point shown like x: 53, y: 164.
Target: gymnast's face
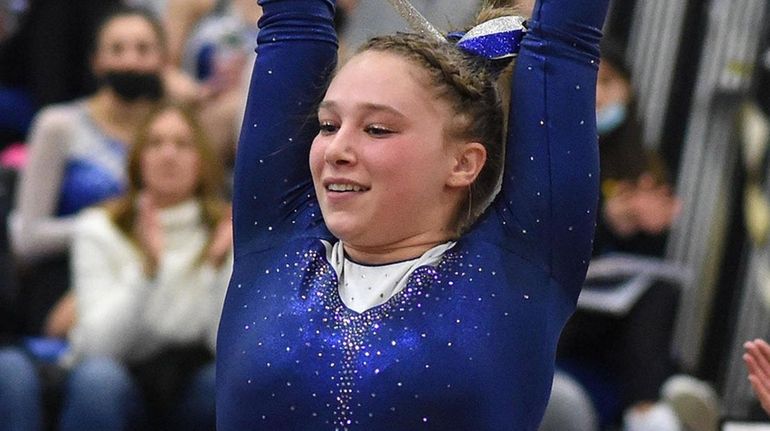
x: 382, y: 164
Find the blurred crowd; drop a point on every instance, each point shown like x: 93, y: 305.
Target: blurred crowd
x: 118, y: 127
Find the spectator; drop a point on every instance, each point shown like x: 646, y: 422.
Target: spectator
x: 77, y: 154
x: 623, y: 360
x: 638, y: 204
x: 149, y: 275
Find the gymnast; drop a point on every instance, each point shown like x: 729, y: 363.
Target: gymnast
x: 415, y: 274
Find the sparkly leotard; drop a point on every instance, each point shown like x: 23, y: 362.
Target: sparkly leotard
x: 468, y: 344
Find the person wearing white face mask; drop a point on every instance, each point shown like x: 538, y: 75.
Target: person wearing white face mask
x: 614, y: 94
x: 639, y: 205
x: 611, y: 117
x: 617, y: 358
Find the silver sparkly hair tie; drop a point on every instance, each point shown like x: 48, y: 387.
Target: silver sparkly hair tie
x: 415, y: 20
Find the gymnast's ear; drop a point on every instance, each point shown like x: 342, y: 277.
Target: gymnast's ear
x: 469, y: 159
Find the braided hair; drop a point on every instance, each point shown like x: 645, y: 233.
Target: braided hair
x: 471, y: 87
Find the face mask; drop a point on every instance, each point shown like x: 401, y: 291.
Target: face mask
x: 610, y: 118
x: 132, y: 85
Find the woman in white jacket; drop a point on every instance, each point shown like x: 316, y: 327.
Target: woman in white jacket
x: 149, y: 275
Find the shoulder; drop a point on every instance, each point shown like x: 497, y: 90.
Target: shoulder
x: 57, y: 126
x: 64, y: 116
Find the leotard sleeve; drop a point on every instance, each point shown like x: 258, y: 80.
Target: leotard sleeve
x: 296, y: 54
x: 545, y: 211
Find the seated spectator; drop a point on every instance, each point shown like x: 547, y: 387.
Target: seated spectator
x: 149, y: 275
x: 638, y: 205
x: 623, y: 360
x: 77, y: 152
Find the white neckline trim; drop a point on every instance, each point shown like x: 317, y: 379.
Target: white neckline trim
x: 363, y: 287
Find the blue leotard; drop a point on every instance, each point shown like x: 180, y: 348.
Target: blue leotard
x: 468, y: 344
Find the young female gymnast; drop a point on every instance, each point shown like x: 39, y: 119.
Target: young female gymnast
x: 378, y: 288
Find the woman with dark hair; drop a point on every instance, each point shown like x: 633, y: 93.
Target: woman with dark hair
x: 388, y: 285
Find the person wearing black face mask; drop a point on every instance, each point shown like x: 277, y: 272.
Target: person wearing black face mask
x: 132, y: 86
x: 76, y: 158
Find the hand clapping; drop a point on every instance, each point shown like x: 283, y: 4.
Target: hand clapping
x: 757, y: 359
x: 148, y: 232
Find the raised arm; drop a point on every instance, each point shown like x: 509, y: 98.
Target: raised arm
x: 551, y: 181
x: 295, y: 56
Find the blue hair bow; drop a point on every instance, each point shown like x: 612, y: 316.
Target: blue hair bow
x: 495, y: 39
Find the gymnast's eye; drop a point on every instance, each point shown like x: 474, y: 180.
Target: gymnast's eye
x: 378, y: 131
x: 327, y: 127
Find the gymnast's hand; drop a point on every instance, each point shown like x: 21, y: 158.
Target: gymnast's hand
x: 757, y: 359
